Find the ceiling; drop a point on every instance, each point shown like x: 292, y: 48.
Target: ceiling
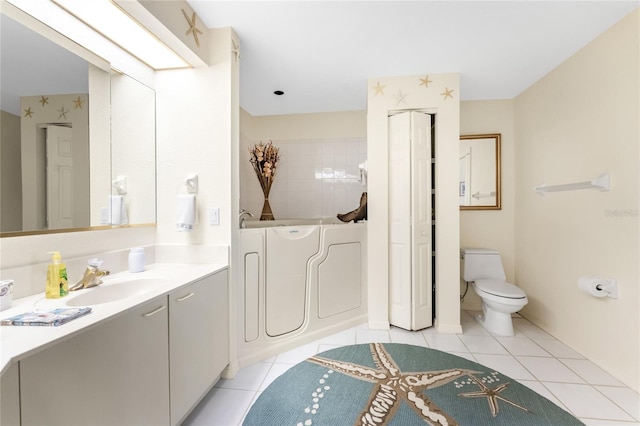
x: 321, y: 53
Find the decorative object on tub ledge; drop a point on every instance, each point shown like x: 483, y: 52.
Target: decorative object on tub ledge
x: 264, y: 159
x: 358, y: 214
x: 53, y: 317
x: 392, y: 383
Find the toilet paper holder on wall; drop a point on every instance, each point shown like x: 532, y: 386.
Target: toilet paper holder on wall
x: 599, y: 287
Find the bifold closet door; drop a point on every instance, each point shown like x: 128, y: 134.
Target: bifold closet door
x: 410, y: 220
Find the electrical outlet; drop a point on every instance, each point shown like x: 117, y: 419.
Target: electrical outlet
x: 214, y: 216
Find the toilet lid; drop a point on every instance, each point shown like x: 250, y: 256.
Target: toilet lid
x: 500, y: 288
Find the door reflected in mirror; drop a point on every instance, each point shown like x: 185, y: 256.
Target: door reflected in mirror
x: 479, y: 187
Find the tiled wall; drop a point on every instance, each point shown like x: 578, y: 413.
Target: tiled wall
x: 316, y: 178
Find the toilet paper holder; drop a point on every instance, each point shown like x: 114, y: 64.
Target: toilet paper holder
x: 599, y: 287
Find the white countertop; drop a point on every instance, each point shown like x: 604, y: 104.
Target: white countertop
x: 18, y: 342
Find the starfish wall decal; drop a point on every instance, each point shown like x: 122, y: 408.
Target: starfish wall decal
x: 379, y: 88
x: 63, y: 113
x: 28, y: 112
x: 400, y: 98
x: 392, y: 386
x: 78, y: 103
x: 447, y: 93
x: 425, y: 82
x: 192, y: 26
x: 44, y: 100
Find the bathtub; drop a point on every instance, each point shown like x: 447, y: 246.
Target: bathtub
x: 299, y: 280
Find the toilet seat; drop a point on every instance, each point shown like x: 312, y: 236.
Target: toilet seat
x: 500, y: 289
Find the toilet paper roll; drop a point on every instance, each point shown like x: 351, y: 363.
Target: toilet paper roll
x: 593, y: 286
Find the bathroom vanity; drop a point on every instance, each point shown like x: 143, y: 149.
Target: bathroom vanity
x: 145, y: 358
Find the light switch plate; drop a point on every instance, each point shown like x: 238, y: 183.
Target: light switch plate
x: 214, y: 216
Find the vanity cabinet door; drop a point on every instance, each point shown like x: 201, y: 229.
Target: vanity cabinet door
x: 198, y: 335
x: 113, y: 374
x: 10, y: 397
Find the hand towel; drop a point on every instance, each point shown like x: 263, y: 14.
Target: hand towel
x: 186, y: 212
x: 118, y: 210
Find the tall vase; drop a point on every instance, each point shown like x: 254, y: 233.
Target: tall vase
x: 267, y: 214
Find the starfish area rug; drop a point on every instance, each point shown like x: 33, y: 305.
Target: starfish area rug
x: 398, y: 384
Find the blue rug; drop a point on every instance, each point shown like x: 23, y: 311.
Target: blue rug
x: 396, y: 384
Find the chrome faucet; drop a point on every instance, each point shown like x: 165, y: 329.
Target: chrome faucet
x: 244, y: 212
x: 92, y: 275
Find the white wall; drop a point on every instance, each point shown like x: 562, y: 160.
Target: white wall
x: 196, y: 112
x: 577, y: 122
x: 440, y: 96
x: 491, y: 228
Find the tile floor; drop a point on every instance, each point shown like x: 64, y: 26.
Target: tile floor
x: 532, y: 357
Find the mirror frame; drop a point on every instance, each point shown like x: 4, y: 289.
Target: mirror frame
x: 497, y: 137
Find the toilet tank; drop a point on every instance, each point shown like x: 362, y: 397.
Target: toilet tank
x: 481, y: 263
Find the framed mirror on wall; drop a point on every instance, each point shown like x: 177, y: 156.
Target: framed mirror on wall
x: 479, y: 186
x: 51, y: 85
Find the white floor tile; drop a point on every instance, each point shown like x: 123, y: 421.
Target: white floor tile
x: 343, y: 338
x: 214, y: 410
x: 530, y: 330
x: 248, y: 378
x: 323, y: 347
x: 474, y: 328
x: 399, y: 335
x: 298, y: 354
x: 600, y: 422
x: 541, y: 390
x: 505, y: 364
x: 586, y: 402
x: 626, y: 398
x: 446, y: 342
x: 522, y: 346
x: 483, y: 345
x: 558, y: 349
x: 591, y: 373
x: 372, y: 336
x: 549, y: 369
x: 465, y: 355
x: 276, y: 371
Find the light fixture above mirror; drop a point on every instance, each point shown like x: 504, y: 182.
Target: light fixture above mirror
x: 108, y: 19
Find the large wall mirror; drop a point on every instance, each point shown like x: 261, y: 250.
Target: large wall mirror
x: 479, y: 187
x: 71, y: 134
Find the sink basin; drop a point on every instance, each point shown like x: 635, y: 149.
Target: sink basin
x: 114, y: 290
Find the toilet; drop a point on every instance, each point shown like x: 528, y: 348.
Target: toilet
x: 483, y: 269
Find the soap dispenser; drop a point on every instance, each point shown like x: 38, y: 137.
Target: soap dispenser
x: 56, y: 285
